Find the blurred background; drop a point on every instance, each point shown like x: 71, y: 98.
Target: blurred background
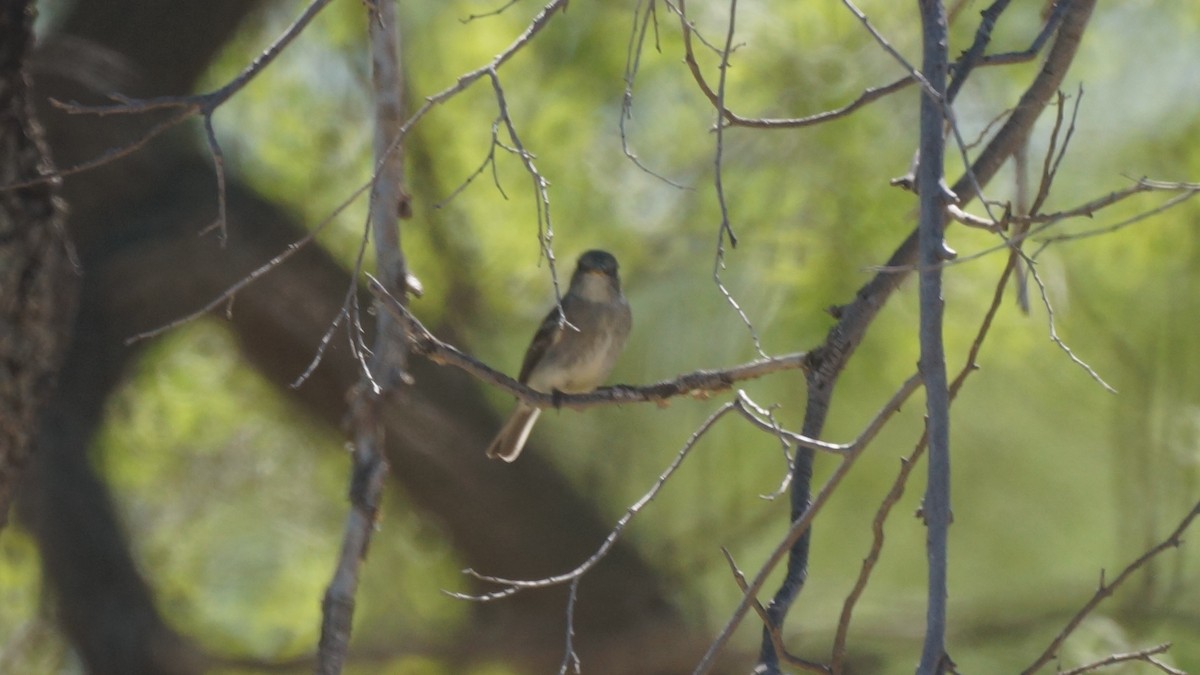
x: 186, y: 510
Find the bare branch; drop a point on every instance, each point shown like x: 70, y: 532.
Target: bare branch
x: 511, y: 587
x: 1045, y: 221
x: 983, y: 35
x: 539, y: 22
x: 871, y: 94
x: 1140, y: 655
x: 258, y: 272
x: 855, y: 318
x: 1107, y: 589
x: 907, y: 464
x: 699, y: 384
x: 800, y: 525
x: 1058, y: 340
x: 931, y: 250
x: 726, y: 229
x: 495, y: 12
x: 1057, y: 12
x: 776, y: 638
x: 187, y: 106
x: 1189, y: 191
x: 570, y: 657
x: 388, y: 364
x: 540, y: 184
x: 633, y: 60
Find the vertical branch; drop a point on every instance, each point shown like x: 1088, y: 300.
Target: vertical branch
x: 388, y: 358
x: 932, y: 251
x: 37, y: 284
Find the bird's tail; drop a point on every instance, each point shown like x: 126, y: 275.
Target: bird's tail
x: 511, y: 439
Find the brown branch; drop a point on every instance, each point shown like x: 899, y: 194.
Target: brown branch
x: 1188, y: 192
x: 1107, y: 589
x: 907, y: 464
x: 868, y: 95
x: 689, y: 57
x: 800, y: 525
x: 772, y: 630
x: 1045, y: 221
x: 1146, y: 655
x: 698, y: 384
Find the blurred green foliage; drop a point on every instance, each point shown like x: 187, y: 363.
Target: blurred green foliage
x: 1054, y: 478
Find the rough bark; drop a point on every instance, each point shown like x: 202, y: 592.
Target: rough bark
x: 37, y: 285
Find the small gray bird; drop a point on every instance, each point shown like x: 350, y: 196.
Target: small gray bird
x: 571, y: 358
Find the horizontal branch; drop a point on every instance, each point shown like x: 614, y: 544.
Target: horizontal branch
x: 1041, y: 222
x: 1146, y: 655
x: 698, y: 384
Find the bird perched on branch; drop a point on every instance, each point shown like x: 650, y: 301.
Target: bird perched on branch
x: 572, y: 356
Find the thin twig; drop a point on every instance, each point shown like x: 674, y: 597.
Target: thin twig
x: 1173, y: 540
x: 1145, y: 655
x: 541, y: 193
x: 510, y: 587
x: 725, y: 229
x: 633, y: 61
x: 204, y: 105
x: 483, y: 15
x: 1053, y: 331
x: 254, y: 275
x: 488, y: 161
x: 1045, y: 221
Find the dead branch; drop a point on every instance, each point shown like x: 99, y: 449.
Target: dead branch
x: 1146, y: 655
x: 388, y: 365
x: 1105, y: 590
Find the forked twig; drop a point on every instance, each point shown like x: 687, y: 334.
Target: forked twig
x: 773, y: 631
x: 1107, y: 589
x: 1147, y: 655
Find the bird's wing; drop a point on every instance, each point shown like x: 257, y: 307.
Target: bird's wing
x: 548, y: 335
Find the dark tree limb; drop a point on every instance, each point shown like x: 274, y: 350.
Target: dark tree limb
x: 37, y: 282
